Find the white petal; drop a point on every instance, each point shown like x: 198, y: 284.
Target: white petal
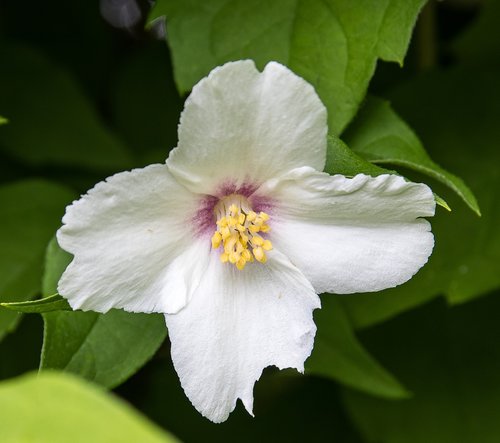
x: 240, y: 127
x: 132, y: 237
x: 352, y: 235
x: 237, y: 323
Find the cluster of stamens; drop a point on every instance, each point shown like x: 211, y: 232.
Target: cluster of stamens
x: 238, y: 229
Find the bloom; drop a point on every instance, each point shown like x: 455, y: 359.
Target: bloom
x: 234, y: 237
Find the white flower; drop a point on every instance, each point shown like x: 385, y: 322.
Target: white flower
x: 236, y: 234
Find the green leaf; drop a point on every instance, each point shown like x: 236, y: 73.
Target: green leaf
x: 367, y: 309
x: 3, y: 120
x: 342, y: 160
x: 49, y: 304
x: 30, y: 212
x: 56, y: 261
x: 333, y: 44
x: 441, y: 202
x: 338, y: 354
x: 105, y: 348
x: 57, y: 408
x: 51, y: 121
x: 449, y: 358
x: 379, y: 135
x: 461, y: 133
x: 461, y: 130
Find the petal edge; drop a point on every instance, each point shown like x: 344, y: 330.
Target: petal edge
x: 270, y: 121
x: 235, y: 326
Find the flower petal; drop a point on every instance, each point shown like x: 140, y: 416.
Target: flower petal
x: 238, y: 323
x: 241, y: 126
x: 352, y: 235
x: 133, y: 245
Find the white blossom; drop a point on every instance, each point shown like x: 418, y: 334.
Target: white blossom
x: 236, y: 234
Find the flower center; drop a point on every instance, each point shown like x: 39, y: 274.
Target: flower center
x: 238, y: 229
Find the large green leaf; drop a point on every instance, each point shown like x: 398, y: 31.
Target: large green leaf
x: 51, y: 121
x: 342, y: 160
x: 56, y: 261
x: 338, y: 354
x: 105, y: 348
x: 461, y: 132
x: 450, y: 359
x: 370, y: 308
x: 333, y: 44
x: 30, y: 212
x: 57, y: 408
x: 379, y: 135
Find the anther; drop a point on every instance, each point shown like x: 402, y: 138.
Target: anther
x: 216, y: 239
x: 259, y: 254
x: 236, y: 232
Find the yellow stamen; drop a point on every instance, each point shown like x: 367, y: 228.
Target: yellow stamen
x: 239, y: 247
x: 244, y: 239
x: 216, y: 239
x: 241, y: 264
x: 234, y: 257
x: 246, y: 255
x: 265, y: 228
x: 259, y: 254
x: 230, y: 243
x: 259, y: 241
x: 267, y: 245
x: 222, y: 222
x: 225, y: 232
x: 236, y: 230
x: 254, y: 228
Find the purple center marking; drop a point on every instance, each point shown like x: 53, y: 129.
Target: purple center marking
x: 204, y: 219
